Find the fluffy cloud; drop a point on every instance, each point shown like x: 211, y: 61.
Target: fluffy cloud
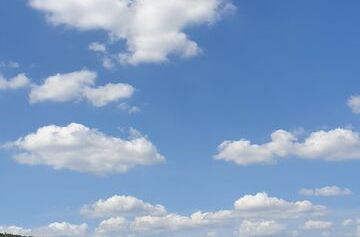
x: 62, y: 229
x: 103, y: 95
x: 56, y: 229
x: 354, y: 104
x: 264, y: 205
x: 153, y: 30
x: 317, y: 225
x: 129, y: 220
x: 19, y: 81
x: 260, y: 228
x: 79, y: 148
x: 121, y: 206
x: 333, y: 145
x: 326, y: 191
x: 79, y: 85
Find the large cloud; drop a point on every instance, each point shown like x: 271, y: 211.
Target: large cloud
x: 79, y: 148
x: 333, y: 145
x: 129, y: 220
x: 79, y: 85
x: 153, y: 30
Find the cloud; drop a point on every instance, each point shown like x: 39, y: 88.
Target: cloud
x: 128, y: 220
x: 121, y: 206
x: 103, y: 95
x: 15, y: 230
x: 17, y: 82
x: 56, y: 229
x: 97, y: 47
x: 262, y: 203
x: 260, y: 228
x: 153, y: 30
x: 326, y: 191
x: 129, y: 108
x: 79, y: 148
x: 79, y: 85
x: 354, y: 104
x: 62, y: 229
x: 333, y: 145
x: 9, y: 64
x: 317, y: 225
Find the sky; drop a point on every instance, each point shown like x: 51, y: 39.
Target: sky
x: 179, y: 118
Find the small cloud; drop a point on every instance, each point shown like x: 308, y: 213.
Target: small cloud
x: 326, y: 191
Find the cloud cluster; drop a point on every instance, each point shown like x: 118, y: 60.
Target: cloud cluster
x: 128, y: 216
x: 153, y: 30
x: 326, y: 191
x: 79, y: 148
x: 333, y: 145
x: 17, y: 82
x: 79, y: 85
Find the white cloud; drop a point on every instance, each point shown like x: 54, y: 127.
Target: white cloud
x: 79, y: 85
x: 262, y: 203
x: 317, y: 225
x: 56, y: 229
x: 121, y: 206
x: 326, y: 191
x: 257, y: 207
x: 97, y: 47
x: 153, y: 30
x: 354, y: 104
x: 129, y: 108
x: 333, y: 145
x: 103, y: 95
x: 63, y: 87
x: 15, y: 230
x: 79, y: 148
x: 62, y: 229
x: 19, y: 81
x: 260, y: 228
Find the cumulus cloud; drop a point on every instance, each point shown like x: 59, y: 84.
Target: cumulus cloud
x: 17, y: 82
x: 79, y: 85
x: 326, y: 191
x: 145, y: 219
x: 79, y: 148
x: 260, y: 228
x: 62, y: 229
x: 262, y: 203
x: 153, y: 30
x: 317, y: 225
x: 333, y: 145
x: 121, y: 206
x: 103, y: 95
x: 354, y: 104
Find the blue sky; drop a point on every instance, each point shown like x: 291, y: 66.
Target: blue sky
x: 259, y: 67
